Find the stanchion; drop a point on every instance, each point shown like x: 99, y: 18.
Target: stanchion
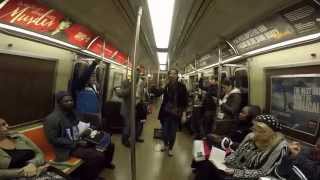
x: 133, y: 98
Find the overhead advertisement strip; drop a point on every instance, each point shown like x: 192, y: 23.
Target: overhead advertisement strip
x: 31, y: 18
x: 293, y: 26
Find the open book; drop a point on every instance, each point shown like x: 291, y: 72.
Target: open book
x: 217, y: 158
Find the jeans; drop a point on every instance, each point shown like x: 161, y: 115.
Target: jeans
x: 126, y: 130
x: 170, y: 126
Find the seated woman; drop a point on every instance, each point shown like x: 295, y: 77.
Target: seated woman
x: 300, y: 163
x: 256, y: 156
x: 246, y: 116
x: 19, y: 156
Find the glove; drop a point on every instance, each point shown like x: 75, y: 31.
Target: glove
x: 226, y: 143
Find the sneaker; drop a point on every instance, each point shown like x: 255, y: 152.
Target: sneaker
x: 170, y: 153
x: 164, y: 148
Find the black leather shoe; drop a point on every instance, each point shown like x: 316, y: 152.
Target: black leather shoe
x: 110, y: 166
x: 140, y: 140
x: 126, y: 144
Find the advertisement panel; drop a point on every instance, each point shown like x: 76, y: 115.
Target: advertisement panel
x: 34, y: 16
x: 295, y: 101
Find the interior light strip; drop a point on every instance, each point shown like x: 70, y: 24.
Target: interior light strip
x: 23, y: 31
x: 287, y: 43
x: 299, y: 40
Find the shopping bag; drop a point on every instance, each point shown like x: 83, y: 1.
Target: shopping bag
x: 198, y: 150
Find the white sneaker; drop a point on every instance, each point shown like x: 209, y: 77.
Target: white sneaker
x: 170, y: 153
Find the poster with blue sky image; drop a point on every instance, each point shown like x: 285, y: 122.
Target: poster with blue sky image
x: 295, y: 101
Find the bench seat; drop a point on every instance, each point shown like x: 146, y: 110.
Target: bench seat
x: 37, y: 135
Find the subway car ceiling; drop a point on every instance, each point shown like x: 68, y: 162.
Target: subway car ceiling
x: 199, y: 26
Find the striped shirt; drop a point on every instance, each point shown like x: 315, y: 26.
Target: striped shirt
x: 251, y: 163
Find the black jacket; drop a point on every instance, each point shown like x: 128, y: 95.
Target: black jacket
x: 310, y: 168
x: 209, y: 101
x: 182, y: 100
x: 56, y: 127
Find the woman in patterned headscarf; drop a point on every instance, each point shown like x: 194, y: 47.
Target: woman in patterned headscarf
x: 257, y: 155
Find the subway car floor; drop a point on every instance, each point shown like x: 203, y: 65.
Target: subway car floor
x: 151, y: 163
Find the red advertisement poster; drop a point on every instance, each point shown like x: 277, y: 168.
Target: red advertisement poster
x: 121, y: 58
x: 96, y: 46
x: 110, y: 51
x: 30, y: 15
x: 78, y: 35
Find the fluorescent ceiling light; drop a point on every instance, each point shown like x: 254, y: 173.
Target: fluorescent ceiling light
x: 285, y: 43
x: 161, y: 12
x: 3, y: 3
x: 163, y: 67
x: 23, y: 31
x: 162, y: 57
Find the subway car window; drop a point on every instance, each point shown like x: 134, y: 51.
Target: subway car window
x: 27, y: 88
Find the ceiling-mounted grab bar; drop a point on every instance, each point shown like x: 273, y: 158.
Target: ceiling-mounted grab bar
x: 233, y: 47
x: 317, y: 2
x: 233, y: 65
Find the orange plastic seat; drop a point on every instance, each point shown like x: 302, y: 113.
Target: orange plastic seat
x: 37, y: 135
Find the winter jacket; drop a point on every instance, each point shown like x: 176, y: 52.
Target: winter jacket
x: 62, y: 132
x: 288, y: 168
x: 251, y: 163
x: 209, y: 101
x: 181, y: 98
x: 22, y: 142
x: 231, y: 104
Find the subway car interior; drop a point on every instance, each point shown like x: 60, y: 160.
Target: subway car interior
x: 160, y: 89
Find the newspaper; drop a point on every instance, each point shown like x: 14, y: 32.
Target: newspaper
x: 217, y: 158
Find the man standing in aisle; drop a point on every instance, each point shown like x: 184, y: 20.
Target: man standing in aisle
x: 124, y: 93
x: 175, y: 100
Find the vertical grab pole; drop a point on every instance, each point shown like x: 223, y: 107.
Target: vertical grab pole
x: 219, y: 78
x: 127, y: 68
x: 133, y: 97
x: 158, y: 78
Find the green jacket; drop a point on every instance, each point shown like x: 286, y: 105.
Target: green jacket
x: 22, y: 142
